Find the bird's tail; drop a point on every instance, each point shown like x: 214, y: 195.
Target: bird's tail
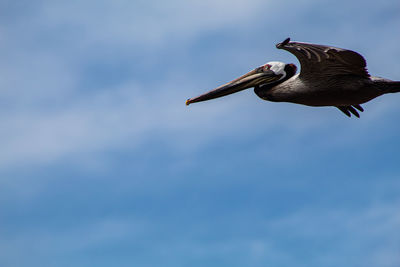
x: 394, y: 87
x: 387, y: 86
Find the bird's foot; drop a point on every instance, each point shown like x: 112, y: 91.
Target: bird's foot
x: 348, y: 110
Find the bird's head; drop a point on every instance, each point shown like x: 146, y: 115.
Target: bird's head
x: 271, y: 73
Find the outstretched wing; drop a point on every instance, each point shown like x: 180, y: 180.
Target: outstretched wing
x: 323, y: 61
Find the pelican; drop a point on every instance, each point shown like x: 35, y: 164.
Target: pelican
x: 329, y: 76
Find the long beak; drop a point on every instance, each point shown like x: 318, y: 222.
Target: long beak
x: 254, y: 78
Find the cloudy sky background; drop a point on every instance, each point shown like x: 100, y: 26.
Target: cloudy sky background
x: 102, y: 164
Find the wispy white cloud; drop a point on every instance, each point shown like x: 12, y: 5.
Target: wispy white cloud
x: 143, y: 22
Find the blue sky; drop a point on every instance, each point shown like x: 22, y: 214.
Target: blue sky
x: 102, y: 164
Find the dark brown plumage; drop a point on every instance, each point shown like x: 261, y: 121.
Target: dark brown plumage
x: 329, y: 76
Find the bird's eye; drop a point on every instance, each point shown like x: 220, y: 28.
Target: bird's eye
x: 267, y: 66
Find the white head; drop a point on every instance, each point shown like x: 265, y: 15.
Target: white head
x: 277, y: 67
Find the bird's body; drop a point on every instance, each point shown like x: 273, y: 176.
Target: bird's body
x: 328, y: 92
x: 329, y: 76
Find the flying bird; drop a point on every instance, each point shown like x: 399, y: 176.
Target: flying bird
x: 329, y: 76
